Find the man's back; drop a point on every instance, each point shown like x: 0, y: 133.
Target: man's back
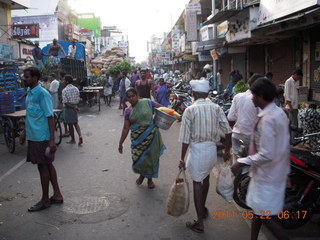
x: 244, y: 113
x: 204, y: 119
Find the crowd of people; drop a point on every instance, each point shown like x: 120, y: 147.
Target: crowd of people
x: 262, y: 116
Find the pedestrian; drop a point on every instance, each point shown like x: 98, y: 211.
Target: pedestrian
x: 40, y: 128
x: 268, y: 160
x: 209, y: 76
x: 232, y: 82
x: 70, y: 99
x: 54, y: 87
x: 162, y: 92
x: 244, y: 113
x: 291, y: 98
x: 219, y: 81
x: 123, y: 86
x: 148, y: 74
x: 146, y: 141
x: 107, y: 90
x: 53, y: 52
x: 45, y: 83
x: 38, y: 55
x: 269, y: 75
x: 201, y: 124
x: 134, y: 78
x: 144, y: 86
x: 62, y: 74
x: 72, y: 49
x: 280, y: 98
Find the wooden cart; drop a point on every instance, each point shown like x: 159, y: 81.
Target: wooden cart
x: 90, y: 95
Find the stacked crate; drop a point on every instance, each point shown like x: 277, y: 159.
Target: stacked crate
x: 6, y: 102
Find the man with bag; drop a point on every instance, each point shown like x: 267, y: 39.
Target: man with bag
x: 268, y: 160
x: 200, y: 130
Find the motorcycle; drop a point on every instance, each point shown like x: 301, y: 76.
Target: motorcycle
x: 302, y: 198
x: 180, y: 101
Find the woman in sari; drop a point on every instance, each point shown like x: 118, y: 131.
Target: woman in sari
x: 146, y: 141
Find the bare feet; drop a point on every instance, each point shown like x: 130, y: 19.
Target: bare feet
x: 80, y: 141
x: 140, y: 179
x: 151, y: 183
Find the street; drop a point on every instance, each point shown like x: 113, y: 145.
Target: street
x: 101, y: 199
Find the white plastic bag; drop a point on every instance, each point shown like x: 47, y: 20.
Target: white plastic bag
x: 225, y: 185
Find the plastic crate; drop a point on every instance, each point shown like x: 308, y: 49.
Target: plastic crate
x: 6, y: 102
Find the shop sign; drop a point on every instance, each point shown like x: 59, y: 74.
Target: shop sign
x: 270, y: 10
x: 189, y: 57
x: 204, y: 57
x: 222, y: 29
x: 6, y: 51
x: 69, y: 32
x: 25, y: 30
x: 191, y: 26
x: 194, y: 7
x: 214, y: 54
x: 25, y: 50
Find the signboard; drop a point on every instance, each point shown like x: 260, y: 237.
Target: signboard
x: 214, y: 54
x: 191, y: 26
x: 25, y: 30
x: 70, y: 32
x: 25, y: 50
x: 6, y: 51
x: 204, y: 57
x: 48, y: 26
x: 189, y: 57
x: 195, y: 7
x: 270, y: 10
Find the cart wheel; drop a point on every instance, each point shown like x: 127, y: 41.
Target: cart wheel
x: 57, y: 132
x: 9, y: 137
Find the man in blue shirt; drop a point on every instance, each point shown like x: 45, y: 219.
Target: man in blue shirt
x: 40, y: 135
x: 37, y: 55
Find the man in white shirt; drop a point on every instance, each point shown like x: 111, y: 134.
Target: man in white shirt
x: 54, y: 87
x: 268, y: 160
x: 291, y: 98
x: 200, y: 127
x: 244, y: 113
x: 72, y: 49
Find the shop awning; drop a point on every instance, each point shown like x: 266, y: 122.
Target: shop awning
x: 222, y: 16
x: 210, y: 44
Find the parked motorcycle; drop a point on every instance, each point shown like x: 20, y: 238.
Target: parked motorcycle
x: 302, y: 198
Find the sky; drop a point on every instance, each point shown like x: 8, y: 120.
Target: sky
x: 138, y: 19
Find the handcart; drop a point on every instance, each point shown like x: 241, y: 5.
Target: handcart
x: 13, y: 125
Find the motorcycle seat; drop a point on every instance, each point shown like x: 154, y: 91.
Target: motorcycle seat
x: 307, y: 157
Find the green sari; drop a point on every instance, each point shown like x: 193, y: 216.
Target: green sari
x: 146, y: 141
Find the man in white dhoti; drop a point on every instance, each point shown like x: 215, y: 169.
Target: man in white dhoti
x: 200, y: 130
x: 268, y: 160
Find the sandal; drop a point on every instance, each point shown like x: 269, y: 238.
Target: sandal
x: 38, y: 207
x: 194, y: 226
x: 55, y: 201
x: 151, y: 185
x: 140, y: 179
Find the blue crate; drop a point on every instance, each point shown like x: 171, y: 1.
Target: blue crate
x: 6, y: 102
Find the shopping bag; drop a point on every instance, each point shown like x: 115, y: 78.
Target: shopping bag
x: 225, y: 185
x: 178, y: 198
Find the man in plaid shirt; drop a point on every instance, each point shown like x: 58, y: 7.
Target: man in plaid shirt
x: 70, y: 99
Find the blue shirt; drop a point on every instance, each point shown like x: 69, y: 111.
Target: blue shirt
x: 39, y: 108
x: 37, y: 53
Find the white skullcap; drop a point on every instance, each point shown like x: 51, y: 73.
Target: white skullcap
x: 207, y: 66
x: 200, y: 86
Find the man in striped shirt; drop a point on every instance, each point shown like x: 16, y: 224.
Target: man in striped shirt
x: 200, y: 127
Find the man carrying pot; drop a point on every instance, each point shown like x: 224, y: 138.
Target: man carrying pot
x: 200, y: 127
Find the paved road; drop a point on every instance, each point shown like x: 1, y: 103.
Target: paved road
x: 101, y: 198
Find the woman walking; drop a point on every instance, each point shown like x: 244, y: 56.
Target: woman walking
x: 162, y: 93
x: 146, y: 141
x: 107, y: 90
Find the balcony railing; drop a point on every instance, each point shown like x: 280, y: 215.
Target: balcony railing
x: 236, y: 4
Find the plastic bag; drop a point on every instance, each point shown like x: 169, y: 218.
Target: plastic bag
x: 179, y: 197
x: 225, y: 185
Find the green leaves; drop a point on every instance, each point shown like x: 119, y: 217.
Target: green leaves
x: 124, y: 66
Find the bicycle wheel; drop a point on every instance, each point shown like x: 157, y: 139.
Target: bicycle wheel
x: 57, y: 132
x: 9, y: 137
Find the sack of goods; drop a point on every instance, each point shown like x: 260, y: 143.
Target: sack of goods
x: 225, y: 185
x: 178, y: 198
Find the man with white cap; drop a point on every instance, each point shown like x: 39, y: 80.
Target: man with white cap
x: 200, y: 127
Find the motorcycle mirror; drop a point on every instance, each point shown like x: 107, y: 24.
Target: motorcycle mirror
x: 215, y: 92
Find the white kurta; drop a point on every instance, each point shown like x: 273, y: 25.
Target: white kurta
x: 201, y: 160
